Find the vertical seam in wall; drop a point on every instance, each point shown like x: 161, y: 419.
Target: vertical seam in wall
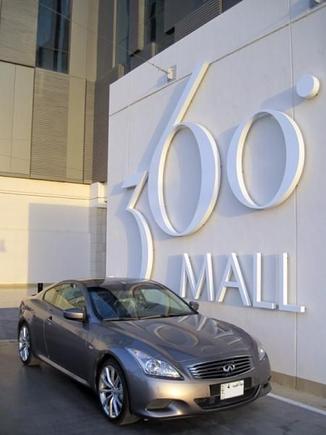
x: 32, y: 124
x: 128, y: 142
x: 295, y: 203
x: 84, y: 147
x: 0, y: 12
x: 12, y: 119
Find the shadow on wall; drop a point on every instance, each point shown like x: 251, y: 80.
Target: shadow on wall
x: 59, y: 243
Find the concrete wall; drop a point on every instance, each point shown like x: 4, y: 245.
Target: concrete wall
x: 263, y: 49
x: 16, y: 93
x: 47, y: 231
x: 44, y: 231
x: 18, y: 20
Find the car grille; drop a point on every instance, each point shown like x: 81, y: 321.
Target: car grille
x: 218, y: 369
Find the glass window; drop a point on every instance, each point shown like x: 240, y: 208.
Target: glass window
x: 53, y: 35
x: 70, y: 296
x: 122, y: 32
x: 106, y: 304
x: 137, y: 302
x: 154, y: 25
x: 65, y: 297
x: 50, y: 295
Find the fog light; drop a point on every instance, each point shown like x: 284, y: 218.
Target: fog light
x: 158, y: 404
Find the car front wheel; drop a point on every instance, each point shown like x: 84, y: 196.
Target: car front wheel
x: 113, y: 394
x: 25, y: 346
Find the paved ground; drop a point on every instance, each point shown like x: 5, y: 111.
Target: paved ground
x: 40, y: 400
x: 8, y: 324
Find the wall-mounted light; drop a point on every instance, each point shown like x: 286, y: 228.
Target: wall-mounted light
x: 171, y: 73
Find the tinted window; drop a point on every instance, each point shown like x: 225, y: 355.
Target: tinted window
x: 154, y: 25
x: 122, y: 32
x: 53, y: 35
x: 65, y: 297
x: 106, y: 304
x: 121, y: 302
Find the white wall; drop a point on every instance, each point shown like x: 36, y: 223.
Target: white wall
x: 49, y: 231
x: 45, y: 231
x: 257, y: 52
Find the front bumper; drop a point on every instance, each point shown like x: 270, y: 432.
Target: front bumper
x: 162, y: 398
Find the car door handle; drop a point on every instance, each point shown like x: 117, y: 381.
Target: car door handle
x: 49, y: 319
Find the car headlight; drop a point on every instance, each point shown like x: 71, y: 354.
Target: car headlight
x: 153, y: 366
x: 260, y: 349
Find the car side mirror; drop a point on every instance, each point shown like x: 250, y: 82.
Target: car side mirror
x: 75, y: 314
x: 194, y: 305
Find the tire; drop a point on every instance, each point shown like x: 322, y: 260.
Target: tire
x: 113, y: 395
x: 25, y: 346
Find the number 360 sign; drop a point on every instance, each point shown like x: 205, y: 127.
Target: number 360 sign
x: 210, y: 170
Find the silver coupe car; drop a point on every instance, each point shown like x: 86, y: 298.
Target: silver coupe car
x: 145, y: 351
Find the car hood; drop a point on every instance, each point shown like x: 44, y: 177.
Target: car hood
x: 183, y: 338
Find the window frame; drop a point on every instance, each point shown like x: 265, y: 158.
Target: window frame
x: 69, y: 33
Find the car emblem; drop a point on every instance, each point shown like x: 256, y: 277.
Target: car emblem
x: 228, y: 368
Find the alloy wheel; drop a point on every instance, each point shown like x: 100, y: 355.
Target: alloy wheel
x: 110, y: 391
x: 24, y: 343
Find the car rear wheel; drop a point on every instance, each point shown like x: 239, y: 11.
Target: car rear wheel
x: 113, y: 394
x: 25, y: 346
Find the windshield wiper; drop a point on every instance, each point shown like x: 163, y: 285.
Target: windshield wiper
x: 159, y: 316
x: 156, y: 316
x: 115, y: 319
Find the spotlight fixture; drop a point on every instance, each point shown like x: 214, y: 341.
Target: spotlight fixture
x: 171, y: 73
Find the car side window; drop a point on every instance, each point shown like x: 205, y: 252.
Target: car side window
x: 51, y: 295
x: 66, y: 297
x: 70, y: 296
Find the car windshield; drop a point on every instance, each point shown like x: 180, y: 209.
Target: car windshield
x: 140, y: 301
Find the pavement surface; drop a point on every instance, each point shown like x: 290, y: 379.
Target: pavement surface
x: 8, y: 324
x: 40, y: 400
